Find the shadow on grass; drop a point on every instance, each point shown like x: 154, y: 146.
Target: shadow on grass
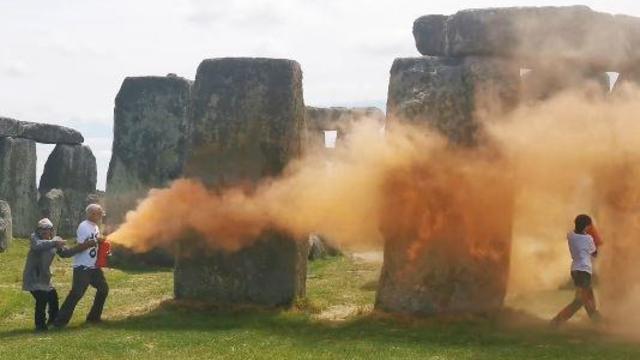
x: 136, y: 269
x: 51, y: 331
x: 502, y: 333
x: 507, y: 328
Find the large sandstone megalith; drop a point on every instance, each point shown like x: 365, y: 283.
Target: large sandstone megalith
x: 533, y: 36
x: 451, y: 95
x: 544, y: 83
x: 52, y: 206
x: 6, y: 228
x: 72, y: 170
x: 246, y: 122
x: 150, y: 122
x: 450, y: 252
x: 18, y: 182
x: 617, y: 212
x: 42, y: 133
x: 447, y: 247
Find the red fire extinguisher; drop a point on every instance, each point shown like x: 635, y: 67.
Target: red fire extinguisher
x: 104, y: 251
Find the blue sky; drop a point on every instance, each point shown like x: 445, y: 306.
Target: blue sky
x: 62, y: 62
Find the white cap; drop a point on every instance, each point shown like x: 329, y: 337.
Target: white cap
x: 45, y: 224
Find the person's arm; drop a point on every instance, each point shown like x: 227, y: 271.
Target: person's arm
x: 66, y: 252
x: 597, y: 239
x: 593, y: 249
x: 38, y: 244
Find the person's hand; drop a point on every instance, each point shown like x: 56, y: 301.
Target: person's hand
x: 90, y: 243
x: 59, y: 242
x: 101, y: 239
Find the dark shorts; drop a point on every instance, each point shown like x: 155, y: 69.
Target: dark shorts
x: 581, y: 279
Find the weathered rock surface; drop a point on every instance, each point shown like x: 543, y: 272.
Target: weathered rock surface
x: 43, y: 133
x: 150, y: 124
x: 70, y: 167
x: 246, y: 119
x: 247, y: 122
x: 340, y: 119
x: 533, y: 35
x: 617, y: 200
x: 451, y: 94
x: 72, y: 170
x: 18, y: 182
x: 451, y: 251
x: 125, y: 258
x: 52, y: 206
x: 544, y: 83
x: 6, y: 229
x: 271, y: 272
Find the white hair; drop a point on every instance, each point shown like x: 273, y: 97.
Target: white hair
x: 92, y: 208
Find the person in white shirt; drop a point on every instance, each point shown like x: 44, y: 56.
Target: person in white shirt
x: 85, y: 272
x: 582, y: 248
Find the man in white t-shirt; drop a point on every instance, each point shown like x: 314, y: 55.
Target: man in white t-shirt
x: 85, y: 272
x: 582, y: 248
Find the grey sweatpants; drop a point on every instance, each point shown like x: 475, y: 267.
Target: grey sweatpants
x: 82, y: 278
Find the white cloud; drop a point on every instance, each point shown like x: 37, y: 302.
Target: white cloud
x: 15, y: 69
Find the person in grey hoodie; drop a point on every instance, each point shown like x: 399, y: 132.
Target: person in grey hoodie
x: 37, y: 274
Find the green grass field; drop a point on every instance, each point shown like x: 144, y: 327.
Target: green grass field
x: 335, y: 321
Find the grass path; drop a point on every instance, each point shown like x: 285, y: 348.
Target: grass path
x: 142, y: 323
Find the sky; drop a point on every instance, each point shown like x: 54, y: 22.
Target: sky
x: 62, y: 62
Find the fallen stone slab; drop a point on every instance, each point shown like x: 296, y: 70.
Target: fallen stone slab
x: 42, y: 133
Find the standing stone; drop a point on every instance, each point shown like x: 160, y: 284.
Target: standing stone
x: 450, y: 252
x: 52, y: 207
x: 451, y: 94
x: 271, y: 272
x: 71, y: 169
x: 246, y: 119
x: 617, y: 212
x: 150, y: 119
x: 339, y: 119
x: 18, y: 182
x: 247, y: 123
x: 6, y: 231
